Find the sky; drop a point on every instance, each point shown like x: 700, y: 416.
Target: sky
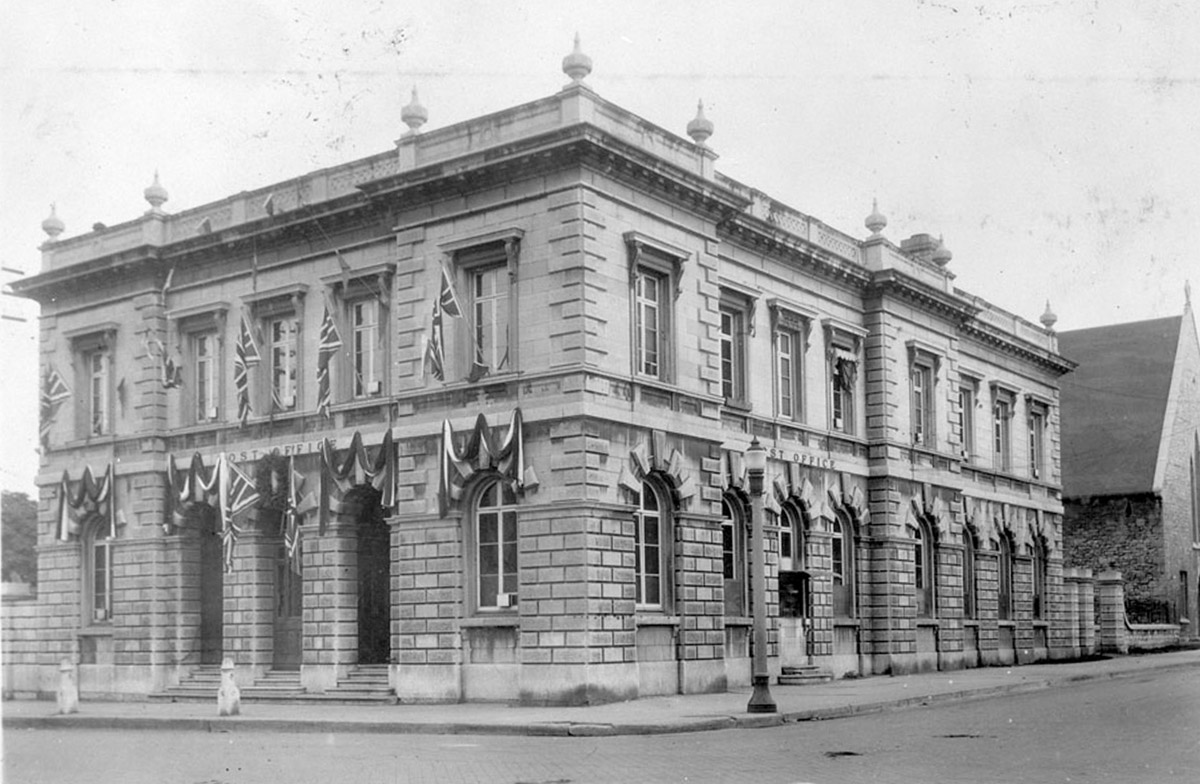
x: 1052, y: 144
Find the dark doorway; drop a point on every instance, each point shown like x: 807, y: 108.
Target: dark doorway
x: 289, y: 603
x: 212, y: 585
x: 374, y: 582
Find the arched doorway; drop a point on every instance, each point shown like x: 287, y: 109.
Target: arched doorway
x: 795, y: 590
x: 374, y: 581
x: 212, y: 583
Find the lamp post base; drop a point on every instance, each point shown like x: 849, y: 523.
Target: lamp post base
x: 761, y: 700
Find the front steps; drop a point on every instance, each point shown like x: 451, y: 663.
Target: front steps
x: 363, y: 685
x: 803, y: 675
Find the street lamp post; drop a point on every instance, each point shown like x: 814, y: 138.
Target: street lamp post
x: 761, y: 700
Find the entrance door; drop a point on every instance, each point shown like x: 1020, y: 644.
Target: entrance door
x: 795, y: 619
x: 289, y: 601
x: 374, y: 581
x: 212, y: 586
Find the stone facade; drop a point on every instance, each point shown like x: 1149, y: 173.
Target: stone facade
x: 572, y: 525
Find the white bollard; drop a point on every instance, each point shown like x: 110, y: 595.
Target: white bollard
x: 229, y: 698
x: 68, y: 688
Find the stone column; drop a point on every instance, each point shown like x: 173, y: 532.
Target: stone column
x: 1111, y: 603
x: 250, y: 602
x: 1069, y: 649
x: 1087, y: 611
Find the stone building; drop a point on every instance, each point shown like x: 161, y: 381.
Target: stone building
x: 468, y: 417
x: 1131, y: 452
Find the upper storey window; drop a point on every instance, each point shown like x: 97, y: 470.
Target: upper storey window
x: 922, y: 376
x: 1003, y: 406
x: 352, y: 349
x: 655, y: 269
x: 279, y: 316
x: 93, y: 350
x: 735, y: 321
x: 201, y: 334
x: 1038, y: 418
x: 790, y: 330
x: 843, y: 344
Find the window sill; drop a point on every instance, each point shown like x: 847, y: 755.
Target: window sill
x: 934, y: 622
x: 482, y: 621
x: 96, y: 631
x: 971, y: 622
x: 738, y: 620
x: 1009, y: 624
x: 847, y: 622
x: 647, y: 619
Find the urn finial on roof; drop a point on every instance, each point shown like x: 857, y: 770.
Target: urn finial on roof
x: 701, y: 127
x: 53, y: 225
x: 577, y: 65
x: 414, y: 115
x: 156, y: 194
x: 1048, y: 318
x: 942, y: 254
x: 876, y: 222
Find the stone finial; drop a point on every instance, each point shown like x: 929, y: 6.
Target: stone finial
x: 876, y: 222
x: 414, y: 115
x: 942, y: 254
x: 53, y: 226
x: 1048, y: 318
x: 156, y: 195
x: 701, y: 127
x: 577, y: 65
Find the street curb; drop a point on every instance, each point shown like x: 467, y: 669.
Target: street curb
x: 559, y: 728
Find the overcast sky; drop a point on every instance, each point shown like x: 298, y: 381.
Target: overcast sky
x: 1054, y: 145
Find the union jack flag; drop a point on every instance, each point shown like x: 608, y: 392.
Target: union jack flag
x: 329, y: 343
x: 245, y: 356
x: 54, y: 392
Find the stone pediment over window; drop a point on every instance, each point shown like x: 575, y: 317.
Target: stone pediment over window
x: 649, y: 251
x: 843, y: 340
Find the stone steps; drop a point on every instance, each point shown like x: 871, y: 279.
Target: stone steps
x: 803, y: 675
x: 362, y: 685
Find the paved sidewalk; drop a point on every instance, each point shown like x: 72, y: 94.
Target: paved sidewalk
x: 653, y: 715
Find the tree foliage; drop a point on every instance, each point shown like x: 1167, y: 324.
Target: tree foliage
x: 18, y: 537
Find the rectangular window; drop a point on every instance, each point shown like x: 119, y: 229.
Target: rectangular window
x: 283, y: 333
x: 733, y: 355
x: 97, y: 364
x: 366, y: 348
x: 490, y: 305
x: 966, y: 420
x: 497, y: 557
x: 842, y: 373
x: 921, y: 383
x: 1001, y: 435
x: 1037, y: 429
x: 206, y: 366
x: 788, y: 367
x: 647, y: 543
x: 101, y: 581
x: 649, y: 291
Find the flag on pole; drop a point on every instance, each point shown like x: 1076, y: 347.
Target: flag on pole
x: 236, y: 494
x: 245, y: 355
x: 330, y: 342
x: 435, y: 350
x: 54, y: 392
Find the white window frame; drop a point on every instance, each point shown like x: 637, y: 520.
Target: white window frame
x: 282, y: 304
x: 1004, y: 404
x: 97, y: 572
x: 651, y: 259
x: 283, y: 360
x: 658, y: 519
x: 843, y: 351
x: 366, y: 347
x: 495, y: 253
x: 506, y: 543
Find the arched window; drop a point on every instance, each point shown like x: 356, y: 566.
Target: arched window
x: 733, y: 559
x: 970, y: 600
x: 1039, y: 578
x: 97, y: 548
x: 495, y: 532
x: 924, y: 569
x: 1005, y: 579
x: 792, y: 540
x: 650, y: 546
x: 842, y: 547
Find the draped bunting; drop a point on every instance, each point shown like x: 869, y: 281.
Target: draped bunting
x: 299, y: 504
x: 357, y: 467
x: 90, y: 497
x: 480, y: 454
x: 224, y: 486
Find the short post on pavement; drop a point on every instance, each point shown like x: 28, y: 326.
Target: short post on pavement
x: 761, y: 700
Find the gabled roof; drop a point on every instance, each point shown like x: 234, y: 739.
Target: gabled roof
x: 1114, y: 405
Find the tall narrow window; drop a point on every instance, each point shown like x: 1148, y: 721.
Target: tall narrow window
x: 921, y: 381
x: 366, y: 348
x: 970, y: 603
x: 1037, y: 449
x: 648, y: 328
x: 789, y: 374
x: 1001, y: 433
x: 733, y: 560
x: 1005, y: 583
x: 496, y: 547
x: 649, y: 549
x: 924, y: 570
x: 206, y: 365
x: 98, y: 382
x: 1039, y: 579
x: 98, y: 569
x: 733, y: 354
x: 842, y: 376
x: 842, y: 566
x: 489, y: 302
x: 966, y: 420
x: 284, y: 372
